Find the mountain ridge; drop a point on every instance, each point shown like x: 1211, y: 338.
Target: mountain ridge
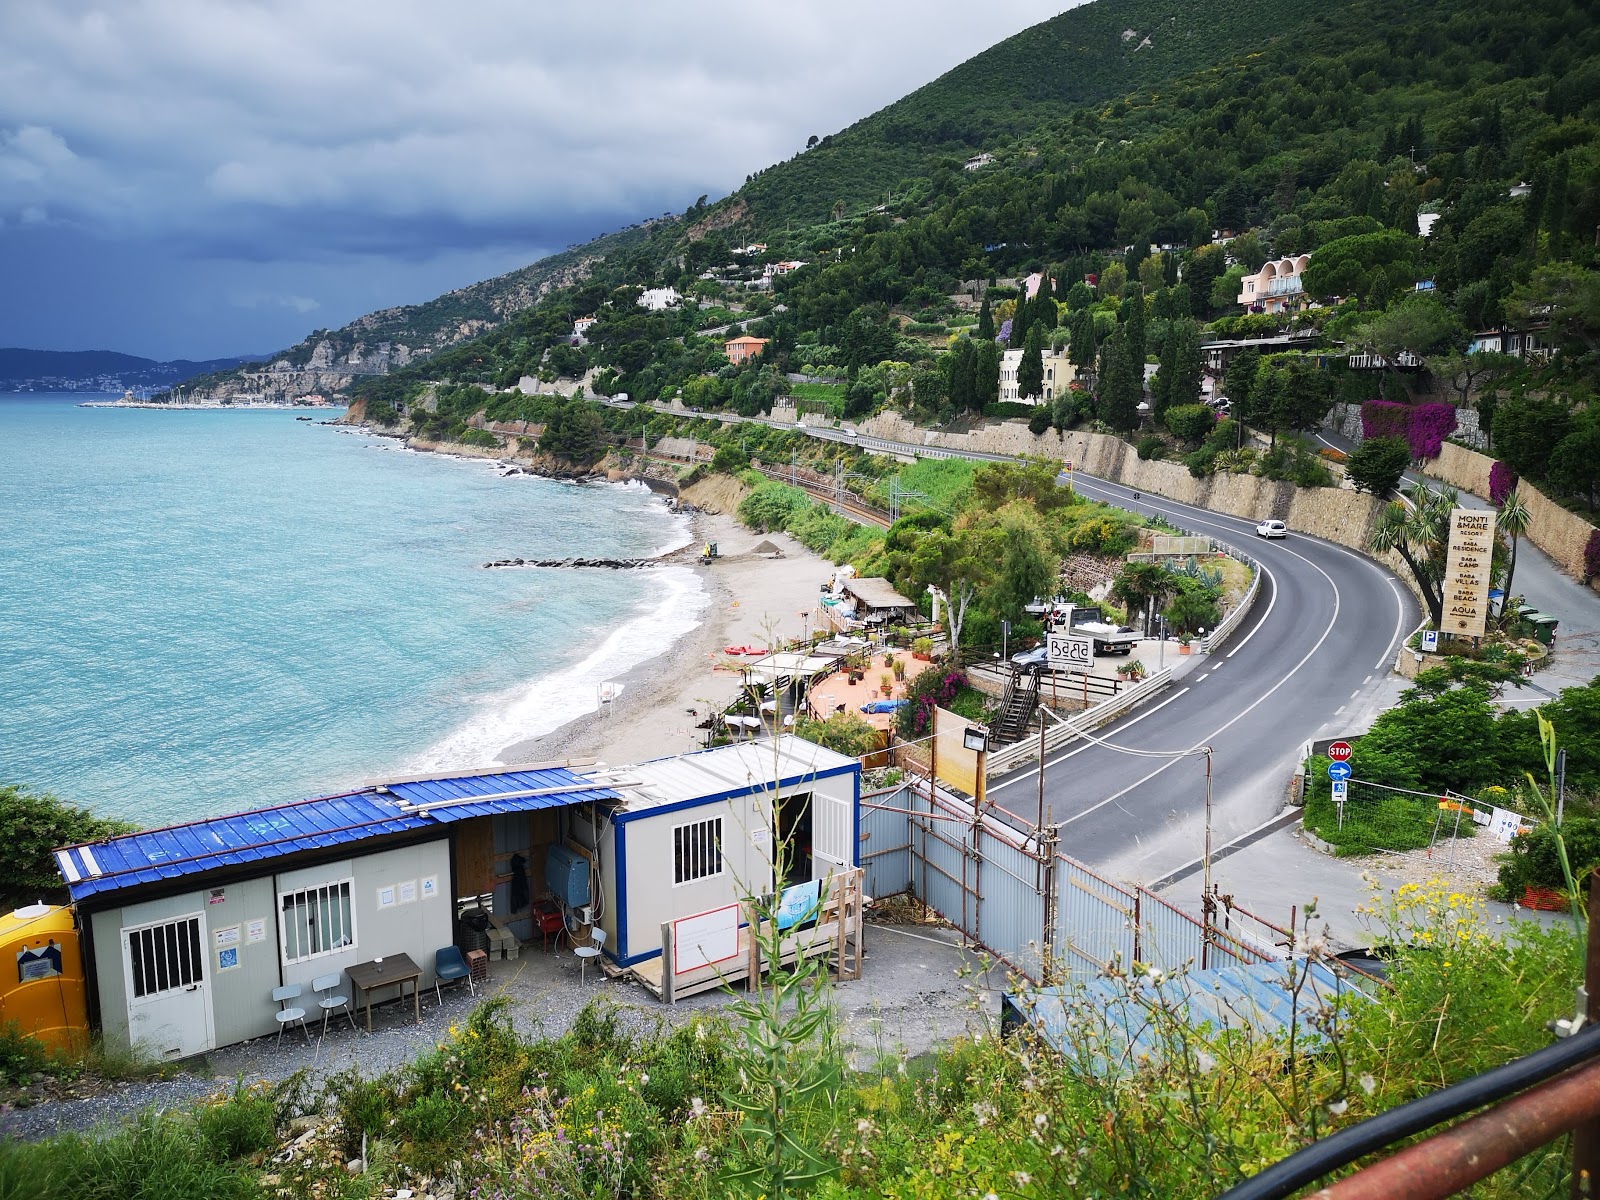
x: 73, y: 369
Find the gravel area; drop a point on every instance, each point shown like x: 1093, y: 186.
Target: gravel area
x: 919, y: 989
x: 1468, y: 864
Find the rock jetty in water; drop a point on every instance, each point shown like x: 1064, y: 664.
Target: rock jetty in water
x: 613, y: 564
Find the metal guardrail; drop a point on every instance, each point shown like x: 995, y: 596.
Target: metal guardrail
x: 1001, y: 761
x: 1246, y: 602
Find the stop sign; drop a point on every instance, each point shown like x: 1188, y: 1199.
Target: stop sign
x: 1339, y: 751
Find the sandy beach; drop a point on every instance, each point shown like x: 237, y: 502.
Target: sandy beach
x: 755, y: 600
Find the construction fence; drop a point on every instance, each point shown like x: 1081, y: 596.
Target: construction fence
x: 1048, y: 917
x: 1374, y: 817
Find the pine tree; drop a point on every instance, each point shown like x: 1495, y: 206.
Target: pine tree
x: 1030, y: 372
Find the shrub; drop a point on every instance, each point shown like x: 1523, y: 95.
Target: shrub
x: 933, y: 688
x: 1378, y: 464
x: 1423, y: 426
x: 31, y: 825
x: 729, y: 459
x: 21, y: 1055
x: 1502, y: 481
x: 1040, y: 421
x: 1591, y: 555
x: 1151, y: 447
x: 1190, y: 422
x: 844, y: 733
x: 478, y: 437
x: 1535, y: 862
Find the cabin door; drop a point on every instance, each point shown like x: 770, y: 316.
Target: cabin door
x: 833, y: 831
x: 169, y: 1012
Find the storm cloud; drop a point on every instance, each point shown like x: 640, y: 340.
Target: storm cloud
x: 199, y: 178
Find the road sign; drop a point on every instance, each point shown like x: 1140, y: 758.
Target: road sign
x: 1340, y: 792
x: 1338, y: 771
x: 1339, y: 751
x: 1070, y: 652
x: 1430, y: 640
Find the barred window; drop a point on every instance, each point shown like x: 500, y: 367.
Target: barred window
x: 317, y: 921
x: 697, y: 851
x: 164, y: 958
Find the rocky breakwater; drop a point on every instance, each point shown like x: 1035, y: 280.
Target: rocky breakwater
x: 612, y: 564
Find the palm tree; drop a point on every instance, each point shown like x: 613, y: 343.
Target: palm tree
x: 1418, y: 530
x: 1513, y: 521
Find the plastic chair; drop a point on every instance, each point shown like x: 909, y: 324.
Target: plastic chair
x: 289, y: 1013
x: 330, y: 1004
x: 449, y: 966
x: 597, y: 943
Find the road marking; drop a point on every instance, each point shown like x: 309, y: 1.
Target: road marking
x: 1366, y: 681
x: 1338, y: 601
x: 1034, y: 774
x: 1355, y: 693
x: 1340, y: 709
x: 1256, y: 628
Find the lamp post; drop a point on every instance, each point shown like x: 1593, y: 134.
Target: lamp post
x: 976, y: 738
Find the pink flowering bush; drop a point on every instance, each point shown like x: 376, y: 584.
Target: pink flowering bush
x: 930, y: 690
x: 1424, y: 426
x: 1501, y: 480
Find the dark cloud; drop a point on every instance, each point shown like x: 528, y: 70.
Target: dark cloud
x: 324, y: 153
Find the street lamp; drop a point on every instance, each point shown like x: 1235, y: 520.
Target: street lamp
x: 976, y: 738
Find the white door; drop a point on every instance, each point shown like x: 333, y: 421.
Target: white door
x: 169, y: 1013
x: 833, y: 832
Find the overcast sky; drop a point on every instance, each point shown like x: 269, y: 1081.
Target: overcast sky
x: 198, y: 178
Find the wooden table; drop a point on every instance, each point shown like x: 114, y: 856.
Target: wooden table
x: 392, y: 969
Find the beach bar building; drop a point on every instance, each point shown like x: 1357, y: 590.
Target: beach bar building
x: 187, y: 930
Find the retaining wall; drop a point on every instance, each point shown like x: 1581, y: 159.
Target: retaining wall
x: 1559, y: 533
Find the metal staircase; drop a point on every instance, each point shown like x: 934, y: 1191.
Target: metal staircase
x: 1021, y: 697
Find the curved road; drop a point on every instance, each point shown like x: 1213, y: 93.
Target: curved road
x: 1323, y: 634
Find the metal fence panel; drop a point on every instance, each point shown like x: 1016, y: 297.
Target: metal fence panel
x: 885, y: 851
x: 1010, y: 904
x: 942, y: 848
x: 1169, y: 938
x: 1095, y: 921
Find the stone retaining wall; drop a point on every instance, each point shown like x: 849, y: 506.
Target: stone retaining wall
x: 1559, y: 533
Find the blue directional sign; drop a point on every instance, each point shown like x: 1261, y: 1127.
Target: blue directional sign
x: 1339, y: 771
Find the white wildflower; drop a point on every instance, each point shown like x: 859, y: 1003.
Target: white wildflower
x: 1367, y: 1082
x: 1338, y: 1107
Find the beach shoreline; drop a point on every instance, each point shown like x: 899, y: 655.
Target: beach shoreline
x: 752, y: 600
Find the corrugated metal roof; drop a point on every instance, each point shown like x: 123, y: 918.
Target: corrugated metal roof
x: 463, y: 796
x: 196, y: 847
x: 1101, y: 1020
x: 877, y: 593
x: 729, y: 769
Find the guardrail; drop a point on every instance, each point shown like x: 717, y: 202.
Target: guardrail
x: 1000, y: 761
x: 1232, y: 621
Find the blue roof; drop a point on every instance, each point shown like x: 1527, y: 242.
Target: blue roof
x: 1115, y: 1024
x: 197, y: 847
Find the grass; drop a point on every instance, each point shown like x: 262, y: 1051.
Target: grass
x: 608, y: 1111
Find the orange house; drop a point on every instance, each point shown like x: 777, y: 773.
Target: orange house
x: 742, y: 349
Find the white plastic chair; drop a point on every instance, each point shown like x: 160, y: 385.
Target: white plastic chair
x: 331, y: 1004
x: 597, y: 943
x: 290, y: 1013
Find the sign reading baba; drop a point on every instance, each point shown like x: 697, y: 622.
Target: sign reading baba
x: 1466, y: 573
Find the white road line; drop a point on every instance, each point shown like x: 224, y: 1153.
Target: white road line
x: 1366, y: 681
x: 1270, y: 604
x: 1338, y: 600
x: 1355, y: 693
x: 1034, y: 774
x: 1340, y: 709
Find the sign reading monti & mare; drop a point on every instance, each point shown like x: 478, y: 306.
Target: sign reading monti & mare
x: 1466, y: 572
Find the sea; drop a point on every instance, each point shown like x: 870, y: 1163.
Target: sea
x: 207, y: 611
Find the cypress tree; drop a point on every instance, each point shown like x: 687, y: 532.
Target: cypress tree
x: 1120, y: 384
x: 1030, y: 372
x: 985, y: 322
x: 988, y: 373
x: 963, y: 381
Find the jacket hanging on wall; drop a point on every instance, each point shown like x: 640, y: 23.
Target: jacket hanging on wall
x: 521, y: 896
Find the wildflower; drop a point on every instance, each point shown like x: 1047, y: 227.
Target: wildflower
x: 1022, y: 1177
x: 697, y: 1106
x: 1040, y: 1120
x: 1367, y: 1082
x: 1338, y: 1107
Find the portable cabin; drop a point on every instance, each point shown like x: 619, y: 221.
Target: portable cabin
x: 187, y: 930
x: 45, y: 997
x: 697, y: 832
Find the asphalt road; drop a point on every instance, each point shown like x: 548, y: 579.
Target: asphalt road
x: 1322, y: 637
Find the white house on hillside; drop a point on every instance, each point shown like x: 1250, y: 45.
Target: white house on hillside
x: 656, y: 299
x: 1058, y: 376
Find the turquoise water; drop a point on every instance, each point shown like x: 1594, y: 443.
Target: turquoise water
x: 206, y: 611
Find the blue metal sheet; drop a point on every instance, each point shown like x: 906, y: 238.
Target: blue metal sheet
x: 197, y: 847
x: 1116, y: 1031
x: 464, y: 787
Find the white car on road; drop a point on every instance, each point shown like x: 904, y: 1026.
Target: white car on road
x: 1272, y: 529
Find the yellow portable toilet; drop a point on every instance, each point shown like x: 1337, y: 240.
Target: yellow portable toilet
x: 41, y: 976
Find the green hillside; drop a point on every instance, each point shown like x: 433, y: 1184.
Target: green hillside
x: 1087, y: 55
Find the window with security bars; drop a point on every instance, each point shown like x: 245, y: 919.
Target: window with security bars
x: 317, y: 921
x: 696, y: 851
x: 164, y: 958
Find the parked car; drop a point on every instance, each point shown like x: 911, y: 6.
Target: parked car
x: 1272, y: 529
x: 1039, y: 656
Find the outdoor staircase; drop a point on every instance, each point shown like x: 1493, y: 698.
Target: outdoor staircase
x: 1021, y: 697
